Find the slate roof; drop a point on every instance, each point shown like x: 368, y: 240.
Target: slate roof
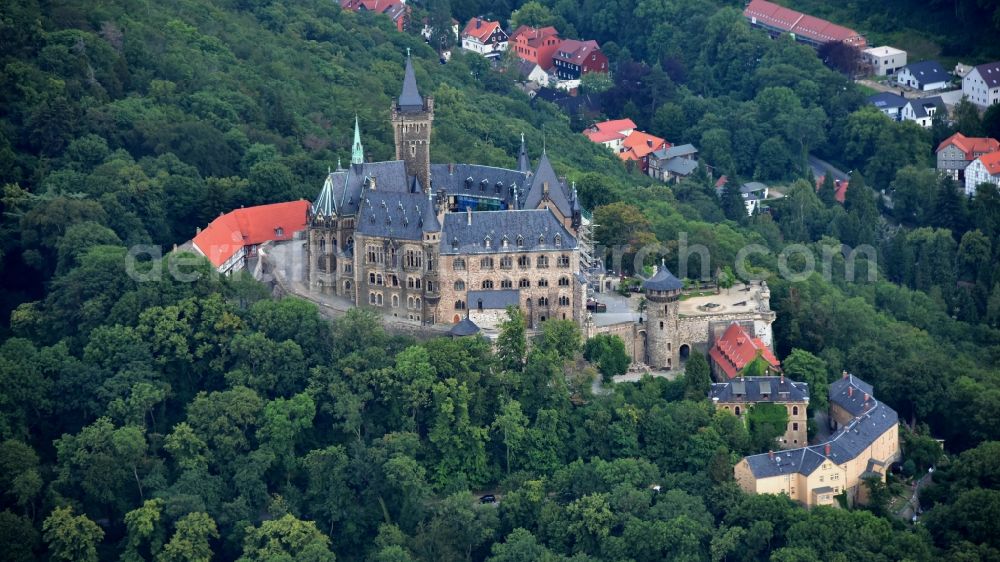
x: 409, y: 99
x: 538, y: 229
x: 523, y: 162
x: 681, y: 166
x: 494, y: 300
x: 753, y: 389
x: 392, y: 214
x: 575, y: 52
x: 990, y: 73
x: 920, y: 106
x: 927, y: 72
x: 752, y: 187
x: 676, y: 151
x: 662, y: 281
x: 544, y: 174
x: 887, y: 100
x: 464, y: 328
x: 428, y: 219
x: 735, y: 349
x: 453, y: 178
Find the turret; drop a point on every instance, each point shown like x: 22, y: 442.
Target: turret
x: 663, y: 292
x: 357, y: 151
x: 412, y: 117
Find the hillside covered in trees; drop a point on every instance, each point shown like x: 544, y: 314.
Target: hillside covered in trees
x: 166, y: 420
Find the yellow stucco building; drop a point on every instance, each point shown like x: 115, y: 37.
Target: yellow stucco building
x: 865, y: 443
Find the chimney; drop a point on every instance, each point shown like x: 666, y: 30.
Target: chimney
x: 479, y: 23
x: 850, y: 391
x: 782, y: 380
x: 827, y: 449
x: 197, y: 230
x: 545, y: 188
x: 771, y: 454
x: 468, y: 216
x: 451, y: 168
x: 866, y: 397
x: 844, y: 374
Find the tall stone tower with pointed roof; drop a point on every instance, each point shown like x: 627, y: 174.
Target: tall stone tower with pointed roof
x: 663, y: 293
x: 412, y: 116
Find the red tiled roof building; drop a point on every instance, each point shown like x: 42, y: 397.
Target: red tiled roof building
x: 735, y: 350
x: 535, y: 45
x: 806, y: 29
x: 231, y: 238
x: 397, y: 10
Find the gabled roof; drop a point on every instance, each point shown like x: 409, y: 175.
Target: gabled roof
x: 970, y: 145
x: 681, y: 166
x: 616, y: 125
x: 663, y: 280
x: 602, y: 137
x: 760, y: 389
x: 927, y: 71
x: 640, y: 144
x: 839, y: 188
x: 991, y: 162
x: 852, y: 394
x: 922, y: 106
x: 735, y: 349
x: 810, y: 27
x: 533, y: 36
x: 575, y: 52
x: 676, y: 151
x: 392, y: 214
x: 887, y: 100
x: 249, y: 226
x: 480, y: 29
x: 990, y: 73
x: 545, y: 175
x: 477, y: 180
x: 409, y: 99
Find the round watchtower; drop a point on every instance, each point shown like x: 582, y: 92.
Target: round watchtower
x: 663, y: 292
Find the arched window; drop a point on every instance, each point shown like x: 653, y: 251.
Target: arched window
x: 737, y: 410
x: 563, y: 301
x: 378, y: 299
x: 543, y: 262
x: 520, y: 241
x: 371, y: 298
x: 416, y: 302
x: 378, y: 279
x: 395, y: 301
x: 486, y: 263
x: 523, y: 261
x: 459, y: 285
x: 487, y: 284
x: 506, y: 262
x: 459, y: 305
x: 558, y: 240
x: 564, y: 281
x: 564, y: 261
x: 795, y: 411
x: 543, y: 282
x: 543, y: 301
x: 524, y: 283
x: 348, y: 285
x: 458, y: 264
x: 506, y: 284
x: 409, y: 302
x: 322, y: 245
x: 395, y: 281
x: 371, y: 278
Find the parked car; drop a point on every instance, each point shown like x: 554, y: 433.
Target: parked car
x: 488, y: 498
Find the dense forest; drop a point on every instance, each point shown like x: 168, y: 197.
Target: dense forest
x: 145, y: 418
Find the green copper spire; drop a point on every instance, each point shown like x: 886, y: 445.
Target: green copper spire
x: 357, y: 151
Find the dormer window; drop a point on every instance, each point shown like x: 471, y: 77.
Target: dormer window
x: 499, y: 187
x: 504, y: 242
x: 558, y: 240
x: 454, y: 243
x: 468, y: 182
x: 520, y: 241
x: 488, y: 242
x: 541, y: 239
x: 482, y: 185
x: 279, y: 232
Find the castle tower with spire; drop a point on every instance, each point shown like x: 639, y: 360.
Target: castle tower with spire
x: 357, y: 150
x: 412, y: 116
x: 663, y: 293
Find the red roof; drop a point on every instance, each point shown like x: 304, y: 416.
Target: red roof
x: 533, y: 36
x: 971, y: 146
x: 616, y: 125
x: 721, y: 182
x: 810, y: 27
x: 992, y: 163
x: 638, y: 145
x: 576, y: 51
x: 735, y: 349
x: 603, y: 136
x: 250, y: 226
x: 839, y: 188
x: 483, y: 32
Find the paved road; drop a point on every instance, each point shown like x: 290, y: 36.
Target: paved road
x: 820, y: 167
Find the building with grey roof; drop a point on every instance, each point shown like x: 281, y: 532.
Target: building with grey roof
x: 674, y: 163
x: 865, y: 442
x: 738, y: 396
x: 435, y: 242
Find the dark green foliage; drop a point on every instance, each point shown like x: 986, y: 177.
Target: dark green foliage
x: 766, y: 422
x: 608, y: 353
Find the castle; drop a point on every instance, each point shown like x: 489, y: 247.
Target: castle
x: 437, y: 243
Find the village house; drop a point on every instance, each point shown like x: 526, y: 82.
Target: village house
x: 813, y: 31
x: 839, y: 188
x: 232, y: 239
x: 535, y: 45
x: 611, y: 134
x: 985, y: 169
x: 924, y: 75
x: 864, y: 443
x: 740, y: 395
x: 638, y: 146
x: 484, y: 37
x: 753, y: 194
x: 397, y: 10
x: 890, y: 103
x: 884, y: 60
x: 981, y: 85
x: 673, y: 163
x: 956, y: 152
x: 736, y: 349
x: 573, y: 59
x: 922, y: 110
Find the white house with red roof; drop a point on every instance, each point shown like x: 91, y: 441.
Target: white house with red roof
x: 231, y: 239
x: 484, y: 37
x: 397, y: 10
x: 985, y: 169
x: 956, y: 152
x: 611, y: 134
x: 735, y: 350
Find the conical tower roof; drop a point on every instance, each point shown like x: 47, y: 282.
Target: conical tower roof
x: 663, y: 281
x: 325, y: 204
x: 429, y: 220
x: 357, y: 150
x: 523, y: 164
x: 410, y: 99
